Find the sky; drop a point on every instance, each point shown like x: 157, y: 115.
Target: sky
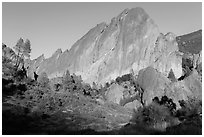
x: 50, y: 26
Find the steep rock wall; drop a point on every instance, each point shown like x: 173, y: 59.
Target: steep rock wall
x: 131, y: 41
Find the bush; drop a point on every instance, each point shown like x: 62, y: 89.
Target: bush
x: 158, y: 115
x: 57, y: 87
x: 10, y: 88
x: 41, y: 100
x: 189, y: 109
x: 126, y: 77
x: 8, y: 69
x: 43, y: 80
x: 167, y: 102
x: 152, y: 114
x: 67, y: 82
x: 19, y: 75
x: 189, y: 115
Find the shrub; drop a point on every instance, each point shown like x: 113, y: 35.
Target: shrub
x: 43, y: 80
x: 10, y: 88
x: 57, y: 87
x: 126, y: 77
x: 8, y: 69
x: 87, y: 89
x: 190, y: 108
x: 167, y: 102
x: 67, y: 82
x: 153, y: 116
x: 155, y: 113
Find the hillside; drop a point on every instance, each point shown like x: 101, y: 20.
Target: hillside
x: 191, y: 42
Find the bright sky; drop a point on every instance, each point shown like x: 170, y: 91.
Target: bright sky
x: 50, y: 26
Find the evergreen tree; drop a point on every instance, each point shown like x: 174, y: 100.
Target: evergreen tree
x: 67, y: 81
x: 43, y: 79
x: 22, y: 50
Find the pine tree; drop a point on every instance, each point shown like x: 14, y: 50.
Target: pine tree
x: 43, y: 79
x: 22, y: 50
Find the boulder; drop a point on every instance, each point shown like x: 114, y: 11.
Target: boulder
x: 190, y: 87
x: 152, y: 83
x: 134, y: 105
x: 194, y: 84
x: 114, y: 93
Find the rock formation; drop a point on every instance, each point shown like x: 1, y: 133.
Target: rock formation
x: 134, y: 105
x: 131, y: 41
x: 8, y: 52
x: 115, y: 93
x: 154, y: 84
x: 166, y: 55
x: 33, y: 65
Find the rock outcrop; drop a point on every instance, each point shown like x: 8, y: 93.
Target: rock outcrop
x: 191, y: 45
x: 166, y: 55
x: 115, y: 93
x: 134, y: 105
x: 131, y: 41
x: 124, y: 95
x: 8, y: 52
x: 33, y: 65
x: 154, y: 85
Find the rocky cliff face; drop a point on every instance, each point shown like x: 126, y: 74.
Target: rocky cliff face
x: 191, y: 45
x: 8, y: 52
x: 33, y: 65
x: 131, y: 41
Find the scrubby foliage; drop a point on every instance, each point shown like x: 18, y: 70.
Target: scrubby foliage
x: 162, y: 114
x: 43, y: 80
x: 41, y: 97
x: 189, y: 109
x: 153, y: 115
x: 10, y: 88
x: 127, y: 77
x: 72, y: 83
x: 167, y: 102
